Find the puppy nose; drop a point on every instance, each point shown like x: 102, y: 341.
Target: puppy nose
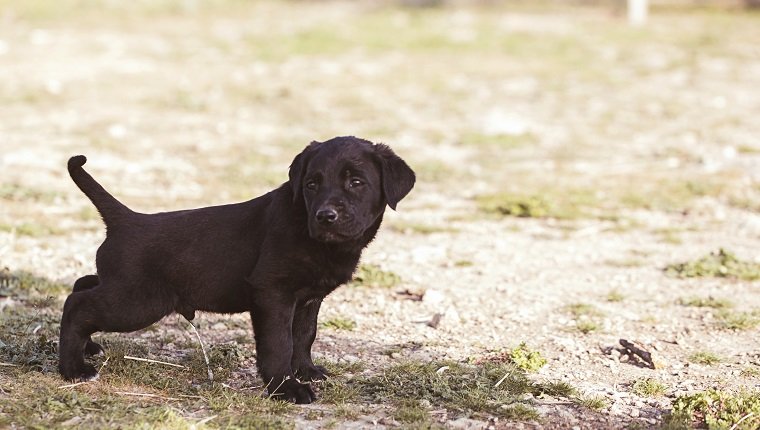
x: 327, y: 216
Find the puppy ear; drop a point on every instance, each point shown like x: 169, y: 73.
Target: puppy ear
x: 298, y: 169
x: 397, y: 177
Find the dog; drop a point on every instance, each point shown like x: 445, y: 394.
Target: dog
x: 276, y: 256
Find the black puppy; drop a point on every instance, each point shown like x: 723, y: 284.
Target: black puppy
x: 276, y: 256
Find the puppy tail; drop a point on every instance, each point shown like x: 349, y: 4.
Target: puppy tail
x: 110, y: 209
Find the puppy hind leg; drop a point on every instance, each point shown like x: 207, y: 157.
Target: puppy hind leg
x: 112, y: 308
x: 82, y: 284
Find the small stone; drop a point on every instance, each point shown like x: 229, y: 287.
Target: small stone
x: 634, y: 413
x: 433, y: 296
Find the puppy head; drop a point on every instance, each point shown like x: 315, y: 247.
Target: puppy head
x: 345, y: 184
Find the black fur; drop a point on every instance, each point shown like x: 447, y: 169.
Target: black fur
x: 276, y: 256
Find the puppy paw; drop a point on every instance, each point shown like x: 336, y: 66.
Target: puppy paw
x: 82, y: 373
x: 312, y: 373
x: 92, y: 348
x: 295, y: 392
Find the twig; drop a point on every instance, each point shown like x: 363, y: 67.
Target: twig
x: 205, y: 420
x: 9, y: 364
x: 147, y: 360
x: 203, y: 349
x: 104, y: 364
x: 506, y: 375
x: 736, y: 424
x: 74, y: 385
x: 275, y: 393
x: 152, y: 396
x: 645, y: 356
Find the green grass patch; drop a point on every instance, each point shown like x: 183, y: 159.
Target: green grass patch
x: 521, y: 356
x: 733, y: 320
x: 418, y: 228
x: 571, y: 204
x: 721, y: 263
x: 490, y: 388
x: 410, y: 411
x: 31, y: 229
x: 583, y: 309
x: 339, y: 324
x: 586, y: 326
x: 706, y: 302
x: 20, y: 193
x: 705, y: 357
x: 596, y: 403
x: 370, y: 275
x: 648, y: 387
x: 22, y: 284
x: 715, y: 409
x: 615, y: 296
x: 586, y: 317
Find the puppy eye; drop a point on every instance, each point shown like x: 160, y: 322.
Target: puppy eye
x: 311, y: 185
x: 355, y: 183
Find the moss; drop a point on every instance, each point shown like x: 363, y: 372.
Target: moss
x: 721, y: 264
x: 527, y: 359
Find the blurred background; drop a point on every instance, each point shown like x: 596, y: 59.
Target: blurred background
x: 570, y: 112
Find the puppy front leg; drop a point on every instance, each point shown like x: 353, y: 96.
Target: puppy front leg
x: 272, y: 319
x: 304, y: 333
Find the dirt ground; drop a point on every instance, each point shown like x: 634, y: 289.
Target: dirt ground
x: 634, y: 148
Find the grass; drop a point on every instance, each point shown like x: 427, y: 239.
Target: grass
x: 339, y: 324
x: 31, y: 229
x: 586, y: 317
x: 419, y: 228
x: 568, y: 205
x: 586, y: 326
x: 648, y: 387
x: 521, y: 356
x: 596, y: 403
x: 705, y: 357
x: 410, y: 411
x: 23, y: 285
x: 706, y: 302
x: 372, y: 276
x: 615, y: 296
x: 732, y: 320
x: 489, y: 388
x: 721, y: 263
x: 716, y: 409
